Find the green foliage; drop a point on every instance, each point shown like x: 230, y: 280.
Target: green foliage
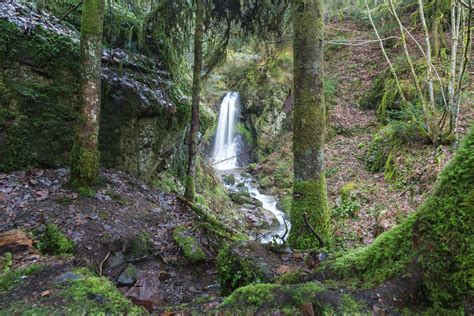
x: 6, y: 261
x: 93, y: 295
x: 9, y: 279
x: 242, y: 130
x: 283, y: 177
x: 191, y: 248
x: 235, y: 271
x: 309, y: 197
x: 347, y: 208
x: 54, y: 242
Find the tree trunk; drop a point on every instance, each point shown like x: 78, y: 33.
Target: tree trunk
x: 193, y: 141
x: 85, y: 154
x: 309, y: 127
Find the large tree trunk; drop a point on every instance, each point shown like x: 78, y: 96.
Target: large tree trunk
x: 309, y: 127
x: 193, y: 141
x: 85, y: 154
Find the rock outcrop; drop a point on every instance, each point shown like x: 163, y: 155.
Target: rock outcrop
x: 140, y: 125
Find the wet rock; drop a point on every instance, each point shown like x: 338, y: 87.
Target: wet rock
x: 242, y: 197
x: 128, y: 277
x: 146, y: 292
x: 66, y: 277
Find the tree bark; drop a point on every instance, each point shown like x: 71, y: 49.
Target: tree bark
x: 85, y: 154
x: 309, y: 127
x: 193, y: 137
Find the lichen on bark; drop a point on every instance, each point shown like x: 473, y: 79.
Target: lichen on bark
x: 309, y: 127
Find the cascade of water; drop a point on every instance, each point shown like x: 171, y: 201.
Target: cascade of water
x: 226, y: 143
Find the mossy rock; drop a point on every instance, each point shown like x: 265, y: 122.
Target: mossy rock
x: 54, y: 242
x: 189, y: 245
x: 265, y: 182
x: 229, y: 179
x: 347, y: 189
x: 237, y: 267
x: 242, y: 197
x: 138, y: 246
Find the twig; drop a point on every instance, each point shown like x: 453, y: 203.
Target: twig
x: 321, y: 242
x: 102, y: 263
x: 71, y: 11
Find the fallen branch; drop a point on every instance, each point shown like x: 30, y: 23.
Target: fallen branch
x: 102, y: 263
x: 71, y: 11
x: 321, y: 242
x: 240, y: 154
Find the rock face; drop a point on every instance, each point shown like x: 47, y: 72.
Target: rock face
x: 140, y: 126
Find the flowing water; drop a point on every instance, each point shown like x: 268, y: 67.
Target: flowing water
x: 224, y: 155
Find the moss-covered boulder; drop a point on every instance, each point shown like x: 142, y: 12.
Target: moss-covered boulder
x: 191, y: 248
x: 140, y: 123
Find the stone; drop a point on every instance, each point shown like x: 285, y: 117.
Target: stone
x: 66, y: 277
x: 128, y: 277
x: 307, y: 309
x: 116, y: 259
x: 228, y: 179
x: 15, y: 241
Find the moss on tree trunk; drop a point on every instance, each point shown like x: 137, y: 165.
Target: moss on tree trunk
x: 309, y: 126
x: 85, y: 154
x: 190, y: 189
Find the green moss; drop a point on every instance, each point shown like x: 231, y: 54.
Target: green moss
x: 309, y: 197
x: 53, y: 241
x: 265, y: 182
x: 84, y: 165
x: 346, y: 190
x: 93, y: 295
x: 285, y: 202
x: 243, y: 131
x: 291, y: 277
x: 438, y: 238
x: 190, y: 246
x: 139, y: 246
x: 255, y: 294
x: 305, y: 292
x: 6, y: 261
x: 9, y: 279
x: 235, y: 271
x: 92, y: 18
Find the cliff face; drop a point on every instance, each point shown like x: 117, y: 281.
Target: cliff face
x: 140, y: 125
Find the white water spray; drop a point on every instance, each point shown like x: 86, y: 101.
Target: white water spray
x: 226, y: 142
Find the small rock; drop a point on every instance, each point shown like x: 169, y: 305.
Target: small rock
x: 67, y: 276
x: 307, y: 309
x: 163, y: 275
x: 128, y: 277
x: 115, y: 260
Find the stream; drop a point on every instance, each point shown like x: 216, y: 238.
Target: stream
x: 226, y: 149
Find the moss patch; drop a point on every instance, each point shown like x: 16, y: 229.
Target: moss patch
x: 190, y: 246
x: 54, y: 242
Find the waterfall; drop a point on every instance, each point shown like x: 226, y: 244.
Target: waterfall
x: 226, y: 142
